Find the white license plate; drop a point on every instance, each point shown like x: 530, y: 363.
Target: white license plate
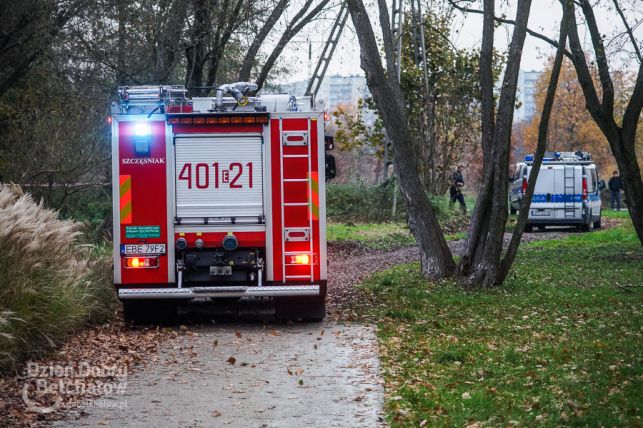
x: 536, y: 213
x: 142, y: 249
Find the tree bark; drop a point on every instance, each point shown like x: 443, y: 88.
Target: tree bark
x: 621, y: 139
x: 541, y: 146
x: 481, y: 263
x: 250, y: 58
x: 436, y: 258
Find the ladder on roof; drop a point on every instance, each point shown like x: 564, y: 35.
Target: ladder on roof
x: 569, y: 191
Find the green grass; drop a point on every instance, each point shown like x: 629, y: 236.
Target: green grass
x: 624, y: 213
x: 558, y: 344
x: 371, y: 235
x: 377, y: 235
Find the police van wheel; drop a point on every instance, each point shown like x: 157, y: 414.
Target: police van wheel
x: 512, y: 210
x: 585, y: 227
x: 597, y: 224
x: 529, y: 228
x: 308, y: 309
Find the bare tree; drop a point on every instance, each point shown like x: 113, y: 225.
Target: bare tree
x: 435, y: 256
x: 621, y: 137
x: 541, y: 146
x: 481, y: 261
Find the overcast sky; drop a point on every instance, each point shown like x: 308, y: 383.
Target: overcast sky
x: 467, y: 32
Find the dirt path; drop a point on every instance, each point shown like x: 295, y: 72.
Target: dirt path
x: 252, y: 375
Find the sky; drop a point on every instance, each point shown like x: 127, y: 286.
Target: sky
x: 467, y: 32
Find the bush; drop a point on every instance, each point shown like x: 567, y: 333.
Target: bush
x: 372, y: 204
x: 51, y: 283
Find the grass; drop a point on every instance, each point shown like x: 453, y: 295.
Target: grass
x: 377, y: 235
x: 558, y: 344
x: 51, y: 285
x: 371, y: 235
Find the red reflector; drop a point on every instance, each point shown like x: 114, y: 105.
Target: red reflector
x: 199, y: 120
x: 295, y: 138
x: 224, y: 120
x: 186, y: 120
x: 174, y: 121
x: 524, y: 185
x: 210, y: 120
x: 141, y: 262
x: 249, y: 119
x: 261, y: 119
x: 584, y: 188
x: 236, y: 119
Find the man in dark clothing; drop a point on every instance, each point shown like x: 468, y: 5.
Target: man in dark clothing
x: 615, y: 187
x: 455, y: 191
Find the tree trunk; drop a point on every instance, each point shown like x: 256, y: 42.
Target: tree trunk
x: 621, y: 139
x: 481, y: 263
x: 541, y: 146
x: 436, y: 257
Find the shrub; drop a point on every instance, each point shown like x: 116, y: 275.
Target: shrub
x: 51, y: 283
x: 372, y: 204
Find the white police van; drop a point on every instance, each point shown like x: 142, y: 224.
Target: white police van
x: 567, y: 191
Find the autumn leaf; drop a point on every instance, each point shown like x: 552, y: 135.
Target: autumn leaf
x: 231, y: 360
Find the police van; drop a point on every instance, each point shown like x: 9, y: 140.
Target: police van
x: 567, y: 191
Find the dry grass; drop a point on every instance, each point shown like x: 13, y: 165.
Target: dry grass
x: 51, y: 284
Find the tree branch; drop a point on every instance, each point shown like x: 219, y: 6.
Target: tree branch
x: 510, y: 22
x: 628, y: 29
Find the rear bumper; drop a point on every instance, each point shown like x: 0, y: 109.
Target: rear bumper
x: 214, y: 292
x: 556, y: 221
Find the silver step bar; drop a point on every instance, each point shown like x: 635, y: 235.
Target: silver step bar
x: 223, y: 291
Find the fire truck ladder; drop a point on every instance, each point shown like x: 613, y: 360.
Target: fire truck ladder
x: 569, y: 188
x: 296, y: 233
x: 327, y: 54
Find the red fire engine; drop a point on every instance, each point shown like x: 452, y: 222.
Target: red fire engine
x: 219, y: 197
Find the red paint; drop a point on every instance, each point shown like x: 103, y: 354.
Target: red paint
x: 277, y: 232
x: 314, y: 161
x: 149, y: 198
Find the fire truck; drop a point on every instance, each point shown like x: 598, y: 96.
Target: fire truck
x: 219, y: 198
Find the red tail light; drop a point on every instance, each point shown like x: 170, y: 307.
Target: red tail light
x: 584, y: 188
x: 141, y: 262
x: 524, y: 185
x: 299, y: 259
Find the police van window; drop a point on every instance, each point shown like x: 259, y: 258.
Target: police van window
x: 594, y: 180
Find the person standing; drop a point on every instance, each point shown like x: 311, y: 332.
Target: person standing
x: 615, y: 187
x: 455, y: 191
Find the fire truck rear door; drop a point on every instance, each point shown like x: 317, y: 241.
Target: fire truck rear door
x: 219, y: 176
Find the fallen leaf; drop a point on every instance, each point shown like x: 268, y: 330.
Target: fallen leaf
x: 237, y: 333
x: 216, y: 413
x: 231, y: 360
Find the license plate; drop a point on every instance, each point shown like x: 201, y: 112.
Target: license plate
x: 142, y: 249
x: 540, y: 213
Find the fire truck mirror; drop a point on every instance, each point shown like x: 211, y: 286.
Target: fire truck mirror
x: 330, y: 167
x: 330, y: 142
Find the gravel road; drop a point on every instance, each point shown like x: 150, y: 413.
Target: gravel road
x: 254, y: 374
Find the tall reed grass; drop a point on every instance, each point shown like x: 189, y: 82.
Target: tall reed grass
x: 51, y: 283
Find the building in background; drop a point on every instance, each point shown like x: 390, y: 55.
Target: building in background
x: 526, y: 95
x: 334, y: 90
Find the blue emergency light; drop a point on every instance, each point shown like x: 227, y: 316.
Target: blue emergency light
x: 142, y: 138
